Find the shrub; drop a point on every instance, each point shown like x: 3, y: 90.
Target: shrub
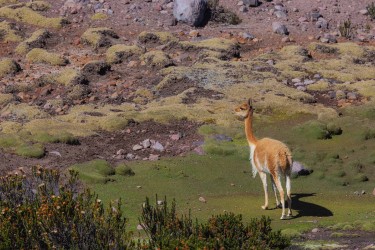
x: 227, y: 231
x: 123, y: 169
x: 45, y: 211
x: 371, y: 10
x: 346, y: 29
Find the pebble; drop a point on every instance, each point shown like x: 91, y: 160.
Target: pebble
x: 137, y: 147
x: 279, y: 28
x: 146, y: 143
x: 157, y: 146
x: 202, y: 199
x: 153, y: 157
x: 351, y: 96
x: 315, y: 230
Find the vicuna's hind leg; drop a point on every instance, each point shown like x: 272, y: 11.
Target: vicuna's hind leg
x: 288, y: 193
x: 263, y: 177
x: 282, y: 198
x: 278, y: 204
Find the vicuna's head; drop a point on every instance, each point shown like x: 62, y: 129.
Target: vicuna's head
x: 244, y: 110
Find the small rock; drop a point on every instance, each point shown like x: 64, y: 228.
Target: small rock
x: 194, y: 33
x: 139, y: 187
x: 157, y: 146
x: 246, y: 35
x: 302, y: 19
x: 363, y: 192
x: 279, y: 28
x: 351, y: 96
x: 146, y: 143
x: 199, y: 150
x: 363, y: 12
x: 130, y: 156
x: 153, y: 157
x: 340, y: 95
x: 295, y: 80
x: 280, y: 14
x: 119, y: 157
x: 240, y: 3
x: 356, y: 193
x: 314, y: 15
x: 251, y: 3
x: 243, y: 9
x: 285, y: 39
x: 139, y: 227
x: 175, y: 137
x: 159, y: 202
x: 55, y: 153
x: 137, y: 147
x: 301, y: 88
x: 321, y: 23
x: 120, y: 152
x: 202, y: 199
x: 315, y: 230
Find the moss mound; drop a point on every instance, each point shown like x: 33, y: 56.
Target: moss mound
x: 31, y: 151
x: 8, y: 66
x: 121, y: 52
x: 95, y: 171
x: 39, y: 5
x: 124, y: 170
x: 157, y: 58
x: 37, y: 40
x: 42, y: 56
x: 156, y: 38
x: 7, y: 34
x: 99, y: 37
x: 29, y: 16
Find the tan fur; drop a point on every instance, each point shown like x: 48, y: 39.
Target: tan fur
x: 268, y: 156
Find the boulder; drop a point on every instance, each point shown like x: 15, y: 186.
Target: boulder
x: 279, y: 28
x: 192, y: 12
x: 251, y: 3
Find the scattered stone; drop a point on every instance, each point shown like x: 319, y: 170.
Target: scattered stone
x: 351, y: 96
x: 315, y: 230
x: 202, y: 199
x: 139, y: 187
x: 280, y: 14
x: 130, y: 156
x: 160, y: 202
x: 363, y: 192
x: 175, y: 137
x: 251, y: 3
x: 243, y: 9
x: 199, y: 150
x: 279, y: 28
x: 120, y: 152
x: 139, y: 227
x: 192, y: 12
x: 57, y: 153
x: 300, y: 169
x: 321, y: 23
x: 340, y: 94
x: 137, y: 147
x: 146, y: 143
x: 194, y: 33
x: 285, y: 39
x: 221, y: 137
x: 328, y: 38
x: 246, y: 35
x: 314, y: 15
x: 363, y: 12
x: 157, y: 146
x: 153, y: 157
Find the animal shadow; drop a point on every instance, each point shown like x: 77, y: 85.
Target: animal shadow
x: 304, y: 208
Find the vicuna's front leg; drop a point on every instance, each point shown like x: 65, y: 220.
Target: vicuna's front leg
x: 263, y: 177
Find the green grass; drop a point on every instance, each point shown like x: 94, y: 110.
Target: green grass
x: 95, y: 171
x: 223, y: 178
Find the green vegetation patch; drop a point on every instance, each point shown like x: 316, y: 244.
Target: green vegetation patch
x: 159, y: 38
x: 99, y: 16
x: 36, y: 40
x: 124, y: 170
x: 31, y: 151
x: 8, y: 66
x: 98, y: 37
x: 318, y: 130
x: 29, y: 16
x: 42, y: 56
x: 121, y: 52
x: 25, y: 112
x: 7, y: 2
x: 95, y: 171
x: 63, y: 137
x: 5, y: 99
x: 157, y: 58
x: 7, y: 34
x: 39, y: 5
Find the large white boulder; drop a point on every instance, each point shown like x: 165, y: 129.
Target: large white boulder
x: 192, y: 12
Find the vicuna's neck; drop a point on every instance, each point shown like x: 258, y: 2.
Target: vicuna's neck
x: 249, y: 130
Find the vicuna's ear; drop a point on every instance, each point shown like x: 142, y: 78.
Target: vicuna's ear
x: 250, y: 102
